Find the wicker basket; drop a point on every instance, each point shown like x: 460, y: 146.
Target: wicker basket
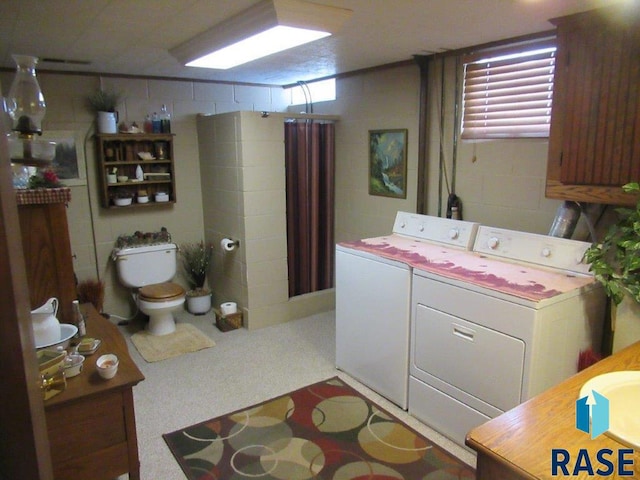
x: 228, y: 322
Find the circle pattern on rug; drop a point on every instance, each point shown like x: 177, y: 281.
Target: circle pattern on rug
x: 326, y: 430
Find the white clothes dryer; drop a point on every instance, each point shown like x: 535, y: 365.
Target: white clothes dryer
x: 373, y: 298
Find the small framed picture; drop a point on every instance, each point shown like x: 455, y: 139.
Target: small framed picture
x: 69, y: 160
x: 388, y: 163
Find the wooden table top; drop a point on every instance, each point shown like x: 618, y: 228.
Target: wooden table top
x: 88, y: 382
x: 521, y: 440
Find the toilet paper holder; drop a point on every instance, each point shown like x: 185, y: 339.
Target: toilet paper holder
x: 229, y: 244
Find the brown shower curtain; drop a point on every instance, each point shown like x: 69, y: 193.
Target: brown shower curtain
x: 309, y: 163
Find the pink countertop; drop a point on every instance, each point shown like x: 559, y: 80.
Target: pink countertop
x: 524, y: 281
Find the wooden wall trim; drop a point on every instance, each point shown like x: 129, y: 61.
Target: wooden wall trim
x: 24, y: 445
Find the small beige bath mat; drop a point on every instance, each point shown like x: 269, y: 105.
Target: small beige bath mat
x: 185, y: 339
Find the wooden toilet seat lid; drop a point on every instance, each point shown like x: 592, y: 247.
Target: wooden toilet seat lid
x: 161, y: 292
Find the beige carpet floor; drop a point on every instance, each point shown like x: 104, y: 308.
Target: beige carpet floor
x: 187, y: 338
x: 244, y: 368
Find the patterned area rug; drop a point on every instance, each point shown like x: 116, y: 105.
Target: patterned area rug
x: 324, y: 431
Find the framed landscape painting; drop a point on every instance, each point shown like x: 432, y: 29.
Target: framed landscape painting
x: 388, y: 163
x: 69, y: 160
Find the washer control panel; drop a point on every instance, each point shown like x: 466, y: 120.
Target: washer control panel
x: 436, y: 229
x: 544, y: 250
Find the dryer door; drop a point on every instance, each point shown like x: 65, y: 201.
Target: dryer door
x: 481, y: 362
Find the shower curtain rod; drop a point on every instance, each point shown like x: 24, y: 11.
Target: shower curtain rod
x: 301, y: 116
x: 290, y: 119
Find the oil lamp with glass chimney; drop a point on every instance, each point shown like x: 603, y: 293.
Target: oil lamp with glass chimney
x: 26, y: 107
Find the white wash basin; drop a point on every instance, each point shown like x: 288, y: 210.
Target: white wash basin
x: 622, y: 389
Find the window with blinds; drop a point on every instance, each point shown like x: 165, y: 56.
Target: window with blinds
x: 508, y: 93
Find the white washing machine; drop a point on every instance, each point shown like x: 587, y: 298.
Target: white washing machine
x: 373, y: 298
x: 493, y: 327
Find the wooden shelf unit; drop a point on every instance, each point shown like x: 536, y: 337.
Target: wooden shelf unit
x: 121, y: 151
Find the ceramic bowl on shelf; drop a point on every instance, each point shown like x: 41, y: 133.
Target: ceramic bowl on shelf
x: 73, y: 365
x: 162, y: 197
x: 67, y: 331
x: 122, y: 202
x: 143, y: 199
x: 122, y: 178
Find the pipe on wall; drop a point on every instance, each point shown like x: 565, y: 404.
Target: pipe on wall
x: 423, y: 142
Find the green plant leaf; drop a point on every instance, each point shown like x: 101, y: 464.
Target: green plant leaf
x: 615, y: 261
x: 196, y: 258
x: 104, y: 100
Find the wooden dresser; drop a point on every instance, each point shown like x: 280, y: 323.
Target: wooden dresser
x: 517, y: 444
x: 91, y: 425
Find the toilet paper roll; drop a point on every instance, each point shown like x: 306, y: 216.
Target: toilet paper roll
x: 228, y: 245
x: 228, y: 308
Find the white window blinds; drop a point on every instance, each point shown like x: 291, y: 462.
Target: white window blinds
x: 508, y: 94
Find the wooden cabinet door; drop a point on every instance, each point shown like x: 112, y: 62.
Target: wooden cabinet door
x: 594, y: 143
x: 47, y: 252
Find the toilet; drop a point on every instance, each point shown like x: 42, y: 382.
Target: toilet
x: 149, y: 270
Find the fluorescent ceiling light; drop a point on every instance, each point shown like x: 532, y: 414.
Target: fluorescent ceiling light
x: 248, y: 35
x: 271, y: 41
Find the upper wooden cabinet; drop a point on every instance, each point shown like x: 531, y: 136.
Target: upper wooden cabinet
x: 594, y: 142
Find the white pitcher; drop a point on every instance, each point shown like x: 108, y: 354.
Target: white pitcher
x: 46, y: 327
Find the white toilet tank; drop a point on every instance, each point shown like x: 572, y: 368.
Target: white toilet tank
x: 146, y: 265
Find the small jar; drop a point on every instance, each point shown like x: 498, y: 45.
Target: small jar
x: 161, y: 150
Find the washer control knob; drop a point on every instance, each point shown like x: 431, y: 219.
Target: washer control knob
x: 403, y: 224
x: 454, y: 233
x: 546, y: 252
x: 421, y: 227
x: 493, y: 243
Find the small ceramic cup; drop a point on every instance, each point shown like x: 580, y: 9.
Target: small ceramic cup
x: 107, y: 365
x: 73, y: 365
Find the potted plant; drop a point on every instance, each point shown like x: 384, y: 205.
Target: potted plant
x: 615, y: 263
x: 44, y: 178
x: 104, y: 103
x: 122, y: 198
x: 195, y: 262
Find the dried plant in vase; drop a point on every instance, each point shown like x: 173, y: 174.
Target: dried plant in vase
x: 196, y: 258
x: 104, y: 100
x: 104, y: 103
x: 91, y: 291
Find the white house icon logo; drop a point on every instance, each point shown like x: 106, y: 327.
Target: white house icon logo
x: 592, y: 414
